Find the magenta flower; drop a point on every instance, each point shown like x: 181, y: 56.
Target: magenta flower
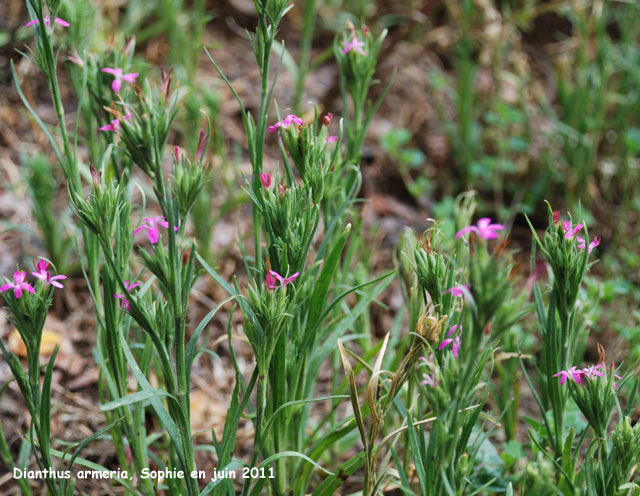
x: 569, y: 231
x: 286, y: 122
x: 42, y: 273
x: 573, y: 373
x: 456, y: 342
x: 265, y: 179
x: 114, y: 125
x: 124, y: 303
x: 151, y: 225
x: 119, y: 77
x: 431, y: 380
x: 459, y: 290
x: 582, y: 243
x: 593, y: 370
x: 273, y: 276
x: 485, y: 229
x: 47, y: 22
x: 355, y: 45
x: 18, y: 284
x: 332, y: 139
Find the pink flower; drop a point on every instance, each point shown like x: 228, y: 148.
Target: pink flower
x: 151, y: 225
x: 430, y: 380
x: 265, y: 179
x: 286, y: 122
x: 485, y: 229
x: 459, y: 290
x: 593, y: 370
x: 124, y: 303
x: 573, y: 373
x: 456, y: 342
x: 332, y: 139
x: 18, y: 284
x: 272, y: 276
x: 582, y: 243
x: 42, y: 273
x: 119, y: 77
x: 114, y: 125
x: 569, y: 231
x: 354, y: 45
x: 47, y: 22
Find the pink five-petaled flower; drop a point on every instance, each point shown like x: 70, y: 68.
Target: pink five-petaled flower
x: 570, y: 232
x: 265, y: 179
x: 355, y: 45
x: 42, y: 273
x: 273, y: 276
x: 124, y: 303
x: 286, y: 122
x: 47, y: 22
x: 573, y: 373
x: 151, y: 225
x: 593, y: 370
x: 485, y: 229
x: 582, y: 243
x: 18, y: 284
x: 456, y: 342
x: 119, y: 77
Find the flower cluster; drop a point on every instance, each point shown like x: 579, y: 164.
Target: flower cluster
x: 20, y: 284
x: 576, y: 374
x: 570, y: 232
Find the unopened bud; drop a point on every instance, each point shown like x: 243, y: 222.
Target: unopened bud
x: 326, y: 120
x: 556, y: 217
x: 130, y: 45
x: 202, y: 143
x: 95, y: 175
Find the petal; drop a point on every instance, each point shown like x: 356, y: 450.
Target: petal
x: 112, y: 71
x: 5, y: 287
x: 56, y: 284
x: 153, y: 235
x: 290, y: 279
x: 31, y: 23
x: 17, y: 291
x: 116, y: 85
x: 131, y: 77
x: 484, y: 222
x: 464, y: 231
x: 445, y: 343
x: 138, y: 229
x: 62, y: 22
